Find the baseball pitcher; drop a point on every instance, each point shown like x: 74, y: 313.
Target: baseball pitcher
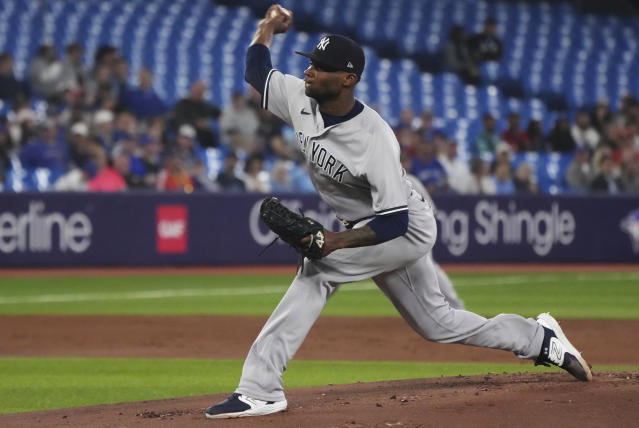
x: 353, y: 161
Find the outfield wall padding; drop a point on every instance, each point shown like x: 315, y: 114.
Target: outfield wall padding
x: 161, y: 229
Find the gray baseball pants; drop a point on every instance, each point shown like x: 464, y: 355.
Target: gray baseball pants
x: 404, y: 272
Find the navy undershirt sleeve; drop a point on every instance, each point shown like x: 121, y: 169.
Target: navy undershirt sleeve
x: 258, y: 64
x: 390, y: 226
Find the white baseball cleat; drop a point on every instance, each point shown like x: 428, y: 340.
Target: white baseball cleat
x: 239, y: 406
x: 557, y: 350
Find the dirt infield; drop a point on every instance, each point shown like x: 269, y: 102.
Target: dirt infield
x: 523, y: 400
x: 506, y: 400
x: 331, y: 338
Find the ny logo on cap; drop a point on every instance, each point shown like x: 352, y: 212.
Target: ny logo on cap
x: 323, y: 43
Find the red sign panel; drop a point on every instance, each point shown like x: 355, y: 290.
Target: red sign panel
x: 172, y: 228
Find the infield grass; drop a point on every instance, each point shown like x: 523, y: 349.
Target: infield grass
x: 566, y: 295
x: 30, y: 384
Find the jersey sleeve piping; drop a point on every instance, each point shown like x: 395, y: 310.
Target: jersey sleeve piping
x: 265, y: 97
x: 392, y: 210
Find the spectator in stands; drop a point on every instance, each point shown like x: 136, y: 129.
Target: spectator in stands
x: 408, y: 140
x: 10, y: 87
x: 456, y: 170
x: 271, y: 131
x: 632, y: 133
x: 630, y: 174
x: 255, y: 178
x: 201, y: 179
x: 625, y: 148
x: 70, y: 110
x: 457, y: 57
x: 46, y: 76
x: 405, y: 120
x: 106, y: 178
x: 515, y: 136
x: 127, y: 144
x: 560, y: 138
x: 535, y: 134
x: 227, y: 179
x: 77, y: 179
x: 46, y: 150
x: 106, y: 55
x: 73, y: 69
x: 239, y: 124
x: 103, y: 126
x: 122, y: 165
x: 583, y: 133
x: 6, y: 148
x: 143, y: 101
x: 427, y: 168
x: 627, y: 105
x: 503, y: 154
x: 194, y: 107
x: 156, y: 129
x: 424, y: 124
x: 21, y: 121
x: 281, y: 181
x: 101, y: 84
x: 481, y: 183
x: 504, y: 179
x: 186, y: 146
x: 601, y: 116
x: 98, y: 89
x: 145, y: 163
x: 612, y: 135
x: 486, y: 46
x: 596, y: 157
x: 579, y: 174
x: 174, y: 176
x: 125, y: 125
x: 79, y: 143
x: 605, y: 181
x: 407, y: 163
x: 441, y: 142
x: 120, y: 74
x: 524, y: 179
x: 488, y: 139
x: 281, y: 147
x: 206, y: 135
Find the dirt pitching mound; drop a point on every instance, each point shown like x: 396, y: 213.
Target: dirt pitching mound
x: 522, y: 400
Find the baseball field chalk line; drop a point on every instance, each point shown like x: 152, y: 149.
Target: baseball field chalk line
x: 248, y: 291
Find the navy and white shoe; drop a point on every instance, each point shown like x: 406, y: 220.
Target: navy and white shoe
x: 557, y: 350
x: 239, y: 406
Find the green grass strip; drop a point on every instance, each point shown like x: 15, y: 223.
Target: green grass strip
x: 566, y: 295
x: 30, y: 384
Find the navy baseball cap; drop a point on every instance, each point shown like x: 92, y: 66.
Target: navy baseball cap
x: 338, y: 53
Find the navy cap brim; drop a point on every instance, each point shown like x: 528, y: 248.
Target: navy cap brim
x: 313, y: 57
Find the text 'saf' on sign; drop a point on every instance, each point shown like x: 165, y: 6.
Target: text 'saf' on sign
x: 171, y: 229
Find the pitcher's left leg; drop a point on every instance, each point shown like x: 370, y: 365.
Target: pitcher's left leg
x: 415, y: 292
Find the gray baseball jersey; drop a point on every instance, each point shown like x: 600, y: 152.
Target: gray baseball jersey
x: 349, y: 163
x: 355, y: 167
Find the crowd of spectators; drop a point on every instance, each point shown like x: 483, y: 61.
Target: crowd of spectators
x: 100, y: 133
x: 604, y: 146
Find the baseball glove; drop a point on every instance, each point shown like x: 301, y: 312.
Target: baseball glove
x: 292, y: 228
